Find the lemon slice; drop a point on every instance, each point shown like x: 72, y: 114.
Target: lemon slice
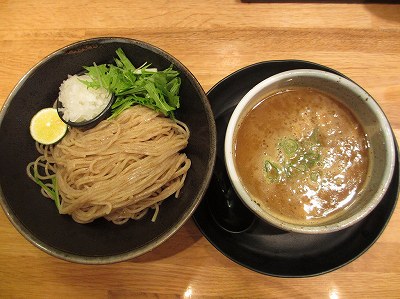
x: 47, y: 127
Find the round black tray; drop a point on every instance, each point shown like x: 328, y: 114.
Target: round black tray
x: 262, y: 247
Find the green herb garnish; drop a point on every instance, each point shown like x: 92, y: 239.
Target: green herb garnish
x: 52, y: 191
x: 297, y: 157
x: 273, y: 171
x: 158, y: 90
x: 315, y: 175
x: 289, y: 146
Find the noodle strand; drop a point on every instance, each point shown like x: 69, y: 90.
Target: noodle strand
x: 118, y: 169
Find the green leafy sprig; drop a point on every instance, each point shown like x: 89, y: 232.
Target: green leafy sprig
x: 158, y: 90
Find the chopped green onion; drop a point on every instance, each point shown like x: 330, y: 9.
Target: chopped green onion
x: 311, y: 158
x: 289, y: 146
x: 314, y: 176
x: 300, y: 157
x: 272, y: 171
x: 314, y: 137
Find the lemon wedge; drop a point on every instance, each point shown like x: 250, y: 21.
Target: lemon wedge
x: 46, y: 126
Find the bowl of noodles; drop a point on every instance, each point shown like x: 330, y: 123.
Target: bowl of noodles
x: 122, y: 187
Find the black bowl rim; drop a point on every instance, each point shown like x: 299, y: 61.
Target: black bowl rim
x: 55, y: 252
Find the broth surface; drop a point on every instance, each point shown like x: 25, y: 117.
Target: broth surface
x: 301, y: 155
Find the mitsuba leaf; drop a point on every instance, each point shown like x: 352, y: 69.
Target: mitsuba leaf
x: 158, y: 90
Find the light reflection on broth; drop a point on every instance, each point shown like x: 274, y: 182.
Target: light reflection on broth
x: 301, y: 155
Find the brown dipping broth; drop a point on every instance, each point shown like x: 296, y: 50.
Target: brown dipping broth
x: 301, y: 155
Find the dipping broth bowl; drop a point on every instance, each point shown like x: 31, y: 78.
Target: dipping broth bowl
x: 368, y: 114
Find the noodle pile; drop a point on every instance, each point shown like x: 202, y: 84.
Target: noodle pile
x: 118, y: 169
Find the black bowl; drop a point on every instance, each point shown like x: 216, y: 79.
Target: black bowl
x: 99, y: 242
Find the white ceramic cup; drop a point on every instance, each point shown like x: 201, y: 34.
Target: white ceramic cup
x: 367, y: 112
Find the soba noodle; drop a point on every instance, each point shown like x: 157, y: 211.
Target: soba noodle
x: 118, y: 169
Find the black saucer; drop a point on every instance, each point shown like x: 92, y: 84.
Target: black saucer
x: 262, y: 247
